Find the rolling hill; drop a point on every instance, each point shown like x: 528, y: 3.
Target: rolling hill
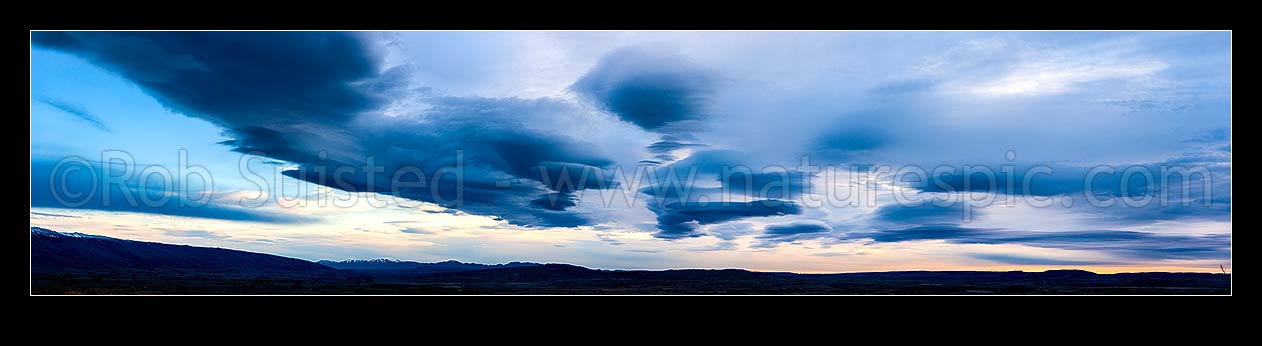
x: 74, y: 263
x: 53, y: 251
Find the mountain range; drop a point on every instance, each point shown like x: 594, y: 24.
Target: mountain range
x: 75, y: 263
x: 390, y: 265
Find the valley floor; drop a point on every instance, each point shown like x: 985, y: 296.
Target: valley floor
x: 563, y: 279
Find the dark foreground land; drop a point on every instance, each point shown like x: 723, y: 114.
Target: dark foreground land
x: 77, y: 264
x: 565, y: 279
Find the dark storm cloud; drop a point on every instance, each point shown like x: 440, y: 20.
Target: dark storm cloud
x: 275, y: 144
x: 648, y: 88
x: 666, y: 146
x: 792, y: 229
x: 555, y: 201
x: 682, y: 206
x: 316, y: 99
x: 492, y: 162
x: 664, y: 92
x: 787, y: 233
x: 237, y: 78
x: 1132, y: 244
x: 681, y: 219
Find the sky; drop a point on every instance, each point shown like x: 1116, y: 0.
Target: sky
x: 779, y: 151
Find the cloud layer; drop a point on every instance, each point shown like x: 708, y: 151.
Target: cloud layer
x: 719, y: 123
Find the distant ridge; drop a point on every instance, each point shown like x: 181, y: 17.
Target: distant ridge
x: 385, y: 264
x: 75, y: 263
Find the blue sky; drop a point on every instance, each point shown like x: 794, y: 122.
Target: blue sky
x: 654, y: 123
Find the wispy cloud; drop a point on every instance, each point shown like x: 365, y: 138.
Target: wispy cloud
x: 1055, y: 77
x: 414, y: 230
x: 80, y: 113
x: 193, y: 233
x: 52, y: 215
x: 1126, y: 244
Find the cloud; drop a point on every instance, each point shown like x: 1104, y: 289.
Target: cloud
x: 609, y: 238
x: 1030, y: 260
x: 924, y: 213
x: 239, y: 78
x: 667, y: 145
x: 656, y: 90
x: 730, y: 230
x: 996, y: 67
x: 856, y: 134
x: 1194, y: 185
x: 648, y: 87
x: 53, y: 215
x: 838, y: 254
x: 683, y: 194
x: 493, y: 159
x: 1045, y: 180
x: 81, y: 114
x: 1130, y: 244
x: 785, y: 184
x: 794, y: 229
x: 555, y: 201
x: 733, y: 172
x: 720, y: 246
x: 193, y: 233
x: 1054, y: 77
x: 682, y: 219
x: 325, y: 100
x: 1133, y: 244
x: 791, y: 232
x: 900, y: 87
x: 667, y: 148
x: 928, y: 232
x: 413, y: 230
x: 81, y: 184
